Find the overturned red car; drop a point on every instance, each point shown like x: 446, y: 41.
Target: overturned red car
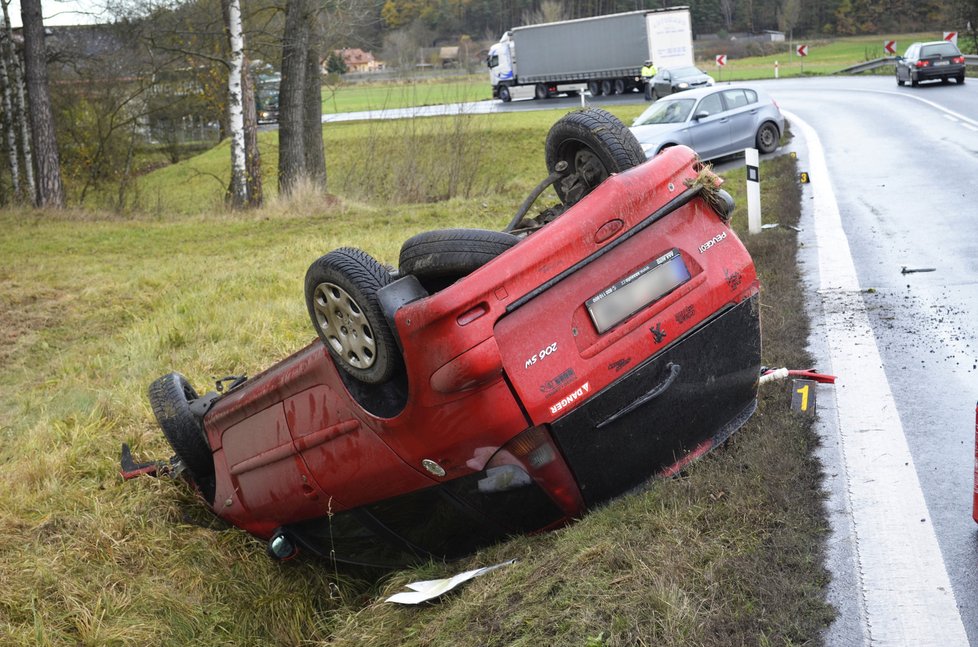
x: 496, y: 382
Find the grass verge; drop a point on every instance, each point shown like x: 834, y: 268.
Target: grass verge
x: 94, y: 307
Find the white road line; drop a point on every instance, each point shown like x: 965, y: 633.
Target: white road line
x: 956, y: 115
x: 970, y: 127
x: 906, y: 591
x: 950, y: 118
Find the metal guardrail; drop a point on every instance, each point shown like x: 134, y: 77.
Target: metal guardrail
x: 969, y: 59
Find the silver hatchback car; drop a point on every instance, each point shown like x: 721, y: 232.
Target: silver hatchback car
x: 714, y: 122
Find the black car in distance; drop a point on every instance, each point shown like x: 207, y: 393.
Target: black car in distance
x: 930, y: 61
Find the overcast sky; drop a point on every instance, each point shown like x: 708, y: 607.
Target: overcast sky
x: 62, y: 12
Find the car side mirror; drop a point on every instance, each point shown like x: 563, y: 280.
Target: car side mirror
x: 702, y: 114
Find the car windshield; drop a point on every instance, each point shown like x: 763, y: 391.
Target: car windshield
x: 686, y: 71
x: 666, y: 111
x: 944, y: 49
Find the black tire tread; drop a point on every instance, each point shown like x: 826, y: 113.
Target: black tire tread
x: 361, y: 275
x: 618, y: 148
x: 436, y: 256
x: 169, y: 397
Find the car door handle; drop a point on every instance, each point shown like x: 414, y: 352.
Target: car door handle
x: 725, y: 120
x: 673, y: 369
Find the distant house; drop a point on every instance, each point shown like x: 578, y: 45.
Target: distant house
x: 448, y: 56
x: 357, y: 60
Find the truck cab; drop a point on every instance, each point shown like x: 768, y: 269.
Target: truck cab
x: 500, y: 63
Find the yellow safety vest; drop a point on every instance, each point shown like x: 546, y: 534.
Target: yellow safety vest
x: 648, y: 71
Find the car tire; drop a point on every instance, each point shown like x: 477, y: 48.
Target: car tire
x: 540, y: 91
x: 900, y: 81
x: 441, y: 257
x: 913, y: 80
x: 619, y: 86
x: 341, y: 296
x: 170, y: 397
x: 504, y: 94
x: 960, y: 78
x: 595, y: 144
x: 606, y: 87
x: 594, y: 87
x: 767, y: 138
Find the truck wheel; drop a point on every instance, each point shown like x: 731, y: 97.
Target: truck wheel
x: 619, y: 86
x: 504, y: 95
x: 341, y: 295
x: 540, y: 91
x: 595, y: 144
x: 606, y: 87
x: 594, y: 88
x: 441, y: 257
x: 170, y: 397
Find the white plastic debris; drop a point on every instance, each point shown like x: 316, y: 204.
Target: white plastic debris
x: 431, y: 589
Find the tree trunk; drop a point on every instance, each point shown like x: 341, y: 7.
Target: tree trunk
x: 8, y: 125
x: 295, y: 44
x: 239, y: 184
x: 312, y: 122
x: 18, y: 111
x: 252, y: 154
x: 50, y: 191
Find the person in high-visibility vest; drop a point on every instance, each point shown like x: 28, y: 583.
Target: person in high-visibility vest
x: 648, y: 71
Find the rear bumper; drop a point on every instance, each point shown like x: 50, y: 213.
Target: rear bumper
x: 621, y: 437
x: 941, y: 72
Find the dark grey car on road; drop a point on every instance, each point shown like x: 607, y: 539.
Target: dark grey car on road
x: 929, y: 61
x: 669, y: 81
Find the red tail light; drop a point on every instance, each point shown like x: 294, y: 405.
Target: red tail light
x: 534, y: 451
x: 958, y: 60
x: 922, y: 64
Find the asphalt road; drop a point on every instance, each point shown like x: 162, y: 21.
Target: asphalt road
x: 902, y: 164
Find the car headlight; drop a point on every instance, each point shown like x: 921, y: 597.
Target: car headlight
x: 710, y: 80
x: 683, y: 85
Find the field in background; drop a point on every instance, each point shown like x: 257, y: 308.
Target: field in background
x: 95, y: 306
x: 825, y: 56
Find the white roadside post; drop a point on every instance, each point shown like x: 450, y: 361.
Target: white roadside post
x: 753, y: 191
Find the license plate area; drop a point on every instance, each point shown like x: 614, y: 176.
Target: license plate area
x: 644, y: 286
x: 941, y: 62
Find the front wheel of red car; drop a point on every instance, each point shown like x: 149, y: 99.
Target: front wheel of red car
x: 594, y: 144
x: 170, y: 396
x: 341, y: 295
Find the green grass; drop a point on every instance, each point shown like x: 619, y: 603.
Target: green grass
x: 94, y: 306
x: 405, y: 94
x: 825, y: 56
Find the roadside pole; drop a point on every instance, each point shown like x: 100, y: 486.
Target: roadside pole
x: 753, y: 191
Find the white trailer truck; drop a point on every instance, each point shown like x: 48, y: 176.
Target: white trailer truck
x: 604, y: 52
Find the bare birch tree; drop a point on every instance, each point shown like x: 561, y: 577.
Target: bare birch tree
x: 18, y: 114
x: 50, y: 191
x: 239, y: 183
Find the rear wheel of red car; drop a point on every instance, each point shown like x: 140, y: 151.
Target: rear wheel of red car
x: 767, y: 138
x: 341, y: 295
x: 170, y: 396
x: 595, y: 144
x: 441, y: 257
